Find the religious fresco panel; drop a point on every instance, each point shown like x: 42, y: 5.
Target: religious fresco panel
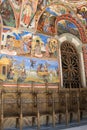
x: 24, y: 70
x: 46, y: 23
x: 14, y: 42
x: 29, y: 8
x: 7, y: 14
x: 65, y: 26
x: 0, y: 29
x: 57, y: 9
x: 25, y: 43
x: 82, y: 14
x: 16, y: 4
x: 47, y: 20
x: 17, y: 8
x: 44, y: 46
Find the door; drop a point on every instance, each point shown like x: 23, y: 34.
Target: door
x: 70, y: 66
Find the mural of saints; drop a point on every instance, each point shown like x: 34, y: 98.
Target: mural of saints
x: 0, y: 28
x: 17, y: 7
x: 44, y: 46
x: 7, y: 14
x: 28, y: 9
x: 82, y: 14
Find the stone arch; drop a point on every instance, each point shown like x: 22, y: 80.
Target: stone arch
x: 78, y: 45
x: 55, y: 3
x: 73, y: 20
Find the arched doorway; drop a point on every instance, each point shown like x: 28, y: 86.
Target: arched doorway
x: 70, y: 66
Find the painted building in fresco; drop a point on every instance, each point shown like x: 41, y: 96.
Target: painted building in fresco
x: 43, y: 41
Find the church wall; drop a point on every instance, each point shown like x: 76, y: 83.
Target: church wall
x: 30, y: 45
x: 31, y: 56
x: 85, y: 59
x: 36, y: 38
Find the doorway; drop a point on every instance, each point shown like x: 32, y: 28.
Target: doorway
x: 70, y: 66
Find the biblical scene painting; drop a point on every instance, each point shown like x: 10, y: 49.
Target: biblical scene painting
x: 44, y: 46
x: 15, y: 69
x: 23, y: 43
x: 47, y: 23
x: 65, y: 26
x: 29, y: 8
x: 48, y: 18
x: 7, y: 14
x: 0, y: 28
x: 13, y: 42
x: 82, y: 14
x: 17, y: 4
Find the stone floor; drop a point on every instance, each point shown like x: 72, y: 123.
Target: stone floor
x: 84, y: 127
x: 48, y: 128
x: 72, y: 126
x: 78, y: 128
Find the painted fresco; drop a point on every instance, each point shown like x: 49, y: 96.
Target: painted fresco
x: 82, y: 14
x: 0, y: 29
x: 17, y: 7
x: 7, y: 14
x: 27, y: 44
x: 28, y: 11
x: 47, y: 23
x: 14, y: 42
x: 16, y: 4
x: 44, y: 46
x: 43, y: 3
x: 32, y: 55
x: 27, y: 70
x: 57, y: 10
x: 47, y: 20
x: 65, y: 26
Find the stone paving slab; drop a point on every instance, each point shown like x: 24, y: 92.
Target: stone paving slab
x: 72, y: 126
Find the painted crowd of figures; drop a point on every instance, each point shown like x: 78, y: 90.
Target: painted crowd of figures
x: 26, y: 13
x: 27, y: 44
x: 19, y: 48
x: 15, y: 69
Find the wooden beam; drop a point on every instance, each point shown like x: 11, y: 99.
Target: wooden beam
x: 53, y: 112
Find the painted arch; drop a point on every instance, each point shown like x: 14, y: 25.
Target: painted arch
x: 80, y: 32
x: 52, y: 14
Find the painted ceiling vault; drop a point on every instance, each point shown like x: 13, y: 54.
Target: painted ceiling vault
x: 41, y: 15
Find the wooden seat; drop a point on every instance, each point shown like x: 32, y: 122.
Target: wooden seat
x: 29, y: 106
x: 20, y: 103
x: 83, y: 102
x: 73, y: 104
x: 9, y: 106
x: 60, y: 105
x: 45, y: 105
